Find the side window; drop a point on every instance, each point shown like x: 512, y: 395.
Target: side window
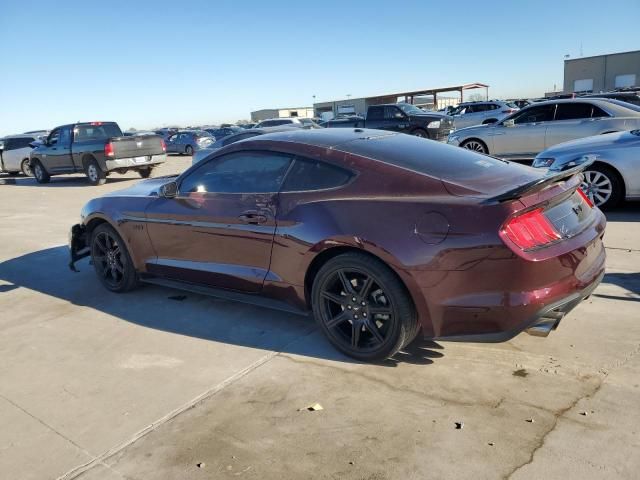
x: 65, y: 137
x: 309, y: 174
x: 375, y: 113
x: 391, y: 112
x: 573, y: 111
x: 53, y: 137
x: 540, y: 113
x: 598, y: 113
x: 22, y: 142
x: 10, y: 144
x: 242, y: 172
x: 172, y: 138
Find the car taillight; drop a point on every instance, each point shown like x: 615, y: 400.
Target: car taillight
x: 585, y: 198
x: 108, y: 149
x: 530, y: 230
x: 164, y: 145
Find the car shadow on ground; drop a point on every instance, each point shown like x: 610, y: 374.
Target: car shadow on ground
x: 628, y: 281
x: 627, y: 212
x: 185, y: 313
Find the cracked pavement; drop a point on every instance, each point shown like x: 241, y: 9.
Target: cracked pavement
x: 101, y: 386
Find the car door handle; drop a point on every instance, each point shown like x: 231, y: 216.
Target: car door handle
x: 253, y: 218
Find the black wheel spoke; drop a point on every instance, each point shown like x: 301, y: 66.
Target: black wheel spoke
x: 338, y: 319
x: 379, y: 310
x: 332, y: 297
x: 373, y: 328
x: 346, y: 284
x: 356, y: 328
x: 100, y: 243
x: 366, y: 286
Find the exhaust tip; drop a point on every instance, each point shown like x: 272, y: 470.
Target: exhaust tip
x: 543, y: 327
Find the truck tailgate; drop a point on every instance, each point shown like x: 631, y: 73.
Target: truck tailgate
x: 142, y: 146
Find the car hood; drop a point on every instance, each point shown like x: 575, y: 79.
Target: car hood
x: 474, y: 128
x: 593, y: 144
x: 145, y: 188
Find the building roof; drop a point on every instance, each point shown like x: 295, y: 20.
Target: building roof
x: 603, y: 55
x: 415, y: 93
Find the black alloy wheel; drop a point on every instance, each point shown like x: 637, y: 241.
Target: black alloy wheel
x: 362, y: 307
x: 111, y: 260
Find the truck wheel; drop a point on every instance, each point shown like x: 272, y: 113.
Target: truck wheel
x: 40, y: 173
x: 26, y: 168
x: 94, y: 173
x: 145, y: 172
x: 189, y: 150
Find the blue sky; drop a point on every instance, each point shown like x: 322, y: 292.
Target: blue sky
x: 146, y: 64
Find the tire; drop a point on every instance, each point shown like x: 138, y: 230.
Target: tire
x: 603, y: 186
x: 111, y: 260
x: 145, y: 172
x: 94, y: 173
x: 348, y: 323
x: 419, y: 132
x: 25, y: 168
x: 40, y: 173
x: 188, y: 150
x: 474, y: 145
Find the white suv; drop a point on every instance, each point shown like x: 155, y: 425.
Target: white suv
x: 468, y: 114
x: 14, y: 153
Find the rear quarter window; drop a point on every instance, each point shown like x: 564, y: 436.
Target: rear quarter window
x: 306, y: 175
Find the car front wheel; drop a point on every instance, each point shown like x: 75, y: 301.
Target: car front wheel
x: 363, y: 308
x: 40, y: 173
x: 476, y: 146
x: 603, y: 187
x: 111, y: 260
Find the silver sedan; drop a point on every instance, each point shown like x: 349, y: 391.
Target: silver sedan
x: 526, y: 133
x: 615, y: 174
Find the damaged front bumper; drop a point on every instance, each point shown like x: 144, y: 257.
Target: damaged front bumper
x: 78, y: 245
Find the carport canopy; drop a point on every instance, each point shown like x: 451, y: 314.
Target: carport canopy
x: 409, y: 96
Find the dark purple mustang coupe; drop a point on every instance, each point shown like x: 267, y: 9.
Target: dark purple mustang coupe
x: 381, y: 235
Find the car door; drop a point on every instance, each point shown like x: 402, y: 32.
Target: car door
x: 219, y: 229
x: 15, y: 150
x: 522, y: 136
x: 58, y: 154
x: 171, y: 143
x: 473, y: 115
x: 574, y: 120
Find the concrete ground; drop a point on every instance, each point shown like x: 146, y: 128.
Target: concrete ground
x: 151, y: 385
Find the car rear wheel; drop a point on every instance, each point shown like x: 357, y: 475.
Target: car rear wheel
x: 145, y: 172
x: 111, y: 260
x: 40, y: 173
x: 476, y: 146
x: 363, y: 308
x: 188, y: 150
x: 26, y: 168
x: 94, y: 173
x: 603, y: 187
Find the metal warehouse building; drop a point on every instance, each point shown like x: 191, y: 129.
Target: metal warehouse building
x: 300, y: 112
x: 421, y: 98
x: 602, y: 72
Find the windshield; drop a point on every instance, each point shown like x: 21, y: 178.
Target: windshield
x: 410, y: 109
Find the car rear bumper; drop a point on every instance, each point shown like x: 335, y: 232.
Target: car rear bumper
x: 136, y: 162
x: 78, y: 245
x: 501, y: 295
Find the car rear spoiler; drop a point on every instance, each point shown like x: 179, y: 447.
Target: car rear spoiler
x: 538, y: 184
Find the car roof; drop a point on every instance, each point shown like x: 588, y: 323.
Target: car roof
x: 605, y: 103
x: 19, y: 135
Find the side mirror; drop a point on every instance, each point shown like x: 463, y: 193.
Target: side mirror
x: 509, y: 123
x: 169, y: 190
x: 36, y: 144
x: 399, y: 115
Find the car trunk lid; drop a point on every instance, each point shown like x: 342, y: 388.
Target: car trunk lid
x: 140, y: 146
